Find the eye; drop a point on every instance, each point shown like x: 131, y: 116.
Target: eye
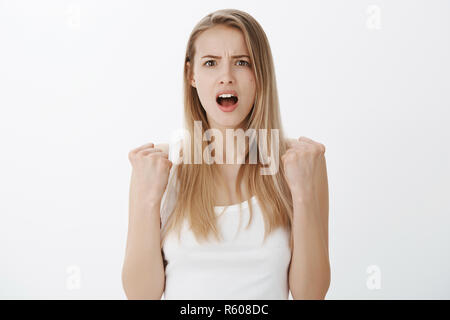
x: 246, y: 63
x: 206, y: 63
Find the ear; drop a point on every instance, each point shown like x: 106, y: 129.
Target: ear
x: 190, y: 74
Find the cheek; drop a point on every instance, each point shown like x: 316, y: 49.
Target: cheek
x: 203, y: 89
x: 252, y: 83
x: 252, y: 88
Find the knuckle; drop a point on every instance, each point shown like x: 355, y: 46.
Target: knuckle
x: 152, y: 156
x: 138, y: 154
x: 131, y: 156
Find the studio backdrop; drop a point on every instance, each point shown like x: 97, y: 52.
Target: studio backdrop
x: 84, y: 82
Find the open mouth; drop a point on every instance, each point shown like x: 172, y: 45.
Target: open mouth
x: 226, y: 100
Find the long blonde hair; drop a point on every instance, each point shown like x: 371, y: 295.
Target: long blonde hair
x: 196, y: 198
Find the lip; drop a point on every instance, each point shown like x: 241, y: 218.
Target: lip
x: 227, y: 91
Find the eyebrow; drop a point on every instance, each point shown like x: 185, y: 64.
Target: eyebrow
x: 218, y: 57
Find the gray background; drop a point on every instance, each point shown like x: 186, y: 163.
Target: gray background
x: 84, y: 82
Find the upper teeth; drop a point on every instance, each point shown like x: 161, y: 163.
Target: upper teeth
x: 226, y: 95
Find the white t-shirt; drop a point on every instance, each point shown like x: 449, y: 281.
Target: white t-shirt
x: 239, y: 267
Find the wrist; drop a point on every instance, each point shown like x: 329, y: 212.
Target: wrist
x: 147, y: 207
x: 303, y: 199
x: 153, y: 204
x: 146, y: 200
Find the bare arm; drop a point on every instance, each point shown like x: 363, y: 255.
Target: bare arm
x: 143, y: 270
x: 143, y: 275
x: 309, y: 271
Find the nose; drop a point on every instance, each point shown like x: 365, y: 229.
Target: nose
x: 226, y: 75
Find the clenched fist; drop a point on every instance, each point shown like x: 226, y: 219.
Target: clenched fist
x: 150, y: 174
x: 303, y: 166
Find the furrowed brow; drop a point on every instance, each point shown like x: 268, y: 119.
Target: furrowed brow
x: 218, y: 57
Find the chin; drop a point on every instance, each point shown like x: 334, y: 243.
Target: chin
x: 224, y: 120
x: 228, y: 124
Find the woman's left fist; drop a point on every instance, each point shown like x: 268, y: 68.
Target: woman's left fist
x: 301, y: 163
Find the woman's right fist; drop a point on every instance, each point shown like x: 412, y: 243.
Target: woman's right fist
x: 150, y: 174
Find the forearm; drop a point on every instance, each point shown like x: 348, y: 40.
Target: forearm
x: 309, y: 272
x: 143, y: 270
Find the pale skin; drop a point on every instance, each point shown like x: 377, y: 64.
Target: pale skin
x: 305, y: 169
x: 304, y: 164
x: 222, y: 62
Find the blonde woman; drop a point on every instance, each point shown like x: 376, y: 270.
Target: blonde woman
x: 221, y: 230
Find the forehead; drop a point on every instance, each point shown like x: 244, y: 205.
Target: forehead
x: 221, y: 39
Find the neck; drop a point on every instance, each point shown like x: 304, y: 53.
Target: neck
x: 233, y: 145
x: 229, y: 146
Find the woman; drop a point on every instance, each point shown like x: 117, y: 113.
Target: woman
x: 229, y: 83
